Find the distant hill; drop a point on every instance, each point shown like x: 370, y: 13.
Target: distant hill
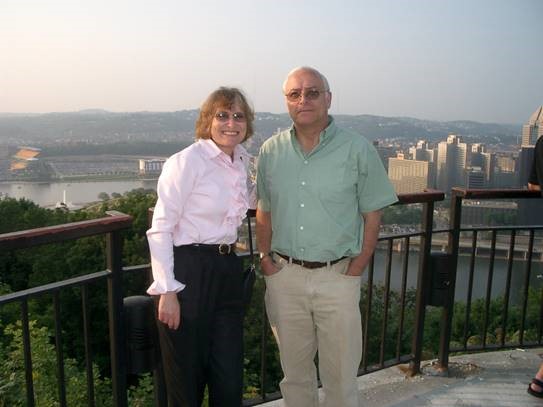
x: 97, y: 126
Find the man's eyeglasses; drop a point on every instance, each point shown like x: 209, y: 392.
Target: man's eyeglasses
x: 223, y: 117
x: 309, y: 94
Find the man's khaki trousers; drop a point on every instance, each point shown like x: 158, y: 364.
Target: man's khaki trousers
x: 312, y: 310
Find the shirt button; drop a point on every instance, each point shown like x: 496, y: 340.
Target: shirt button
x: 302, y: 205
x: 301, y: 228
x: 305, y: 162
x: 302, y: 249
x: 303, y: 182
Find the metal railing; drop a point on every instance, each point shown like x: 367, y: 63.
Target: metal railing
x: 111, y: 227
x: 458, y: 195
x: 391, y: 316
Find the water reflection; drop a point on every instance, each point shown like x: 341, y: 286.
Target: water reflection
x: 79, y: 193
x: 480, y: 276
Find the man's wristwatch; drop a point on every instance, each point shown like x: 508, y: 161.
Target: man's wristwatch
x: 262, y: 255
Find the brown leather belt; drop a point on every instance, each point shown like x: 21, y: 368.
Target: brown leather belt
x: 222, y: 248
x: 309, y: 264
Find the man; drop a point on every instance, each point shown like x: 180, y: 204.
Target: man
x: 535, y: 388
x: 320, y: 192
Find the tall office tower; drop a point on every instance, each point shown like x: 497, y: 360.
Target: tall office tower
x: 534, y: 129
x: 408, y: 176
x: 423, y: 152
x: 475, y: 178
x: 451, y: 163
x: 478, y: 157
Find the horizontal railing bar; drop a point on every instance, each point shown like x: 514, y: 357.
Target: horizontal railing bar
x: 508, y: 228
x: 48, y: 288
x: 137, y: 268
x: 401, y: 235
x: 494, y: 193
x: 429, y: 195
x: 68, y: 231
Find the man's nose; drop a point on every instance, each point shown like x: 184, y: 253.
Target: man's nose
x: 303, y: 99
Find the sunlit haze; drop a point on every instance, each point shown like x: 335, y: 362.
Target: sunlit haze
x: 440, y: 60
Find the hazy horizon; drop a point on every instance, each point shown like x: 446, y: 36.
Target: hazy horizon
x: 431, y: 60
x: 97, y: 110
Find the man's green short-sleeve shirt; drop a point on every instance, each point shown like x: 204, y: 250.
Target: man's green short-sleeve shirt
x: 316, y: 200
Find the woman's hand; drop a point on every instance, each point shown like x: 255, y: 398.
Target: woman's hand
x: 169, y: 310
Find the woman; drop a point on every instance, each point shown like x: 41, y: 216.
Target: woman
x: 202, y: 199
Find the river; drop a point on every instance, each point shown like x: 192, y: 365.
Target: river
x: 480, y: 276
x: 78, y: 193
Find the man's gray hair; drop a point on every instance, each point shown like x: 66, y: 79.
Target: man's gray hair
x: 307, y: 69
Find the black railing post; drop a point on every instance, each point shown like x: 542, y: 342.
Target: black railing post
x: 448, y: 309
x: 25, y: 327
x: 422, y: 286
x: 88, y: 351
x: 115, y: 307
x: 60, y: 352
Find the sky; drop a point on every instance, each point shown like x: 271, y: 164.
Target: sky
x: 441, y: 60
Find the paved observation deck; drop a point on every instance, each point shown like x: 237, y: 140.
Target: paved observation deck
x: 493, y: 379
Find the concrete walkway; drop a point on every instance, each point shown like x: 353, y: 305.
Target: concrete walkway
x: 494, y: 379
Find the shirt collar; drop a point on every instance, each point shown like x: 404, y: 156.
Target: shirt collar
x: 211, y: 150
x: 324, y: 136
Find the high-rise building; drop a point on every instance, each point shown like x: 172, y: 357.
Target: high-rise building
x: 480, y: 158
x: 408, y: 176
x: 451, y: 163
x: 534, y: 129
x: 475, y: 178
x: 423, y: 152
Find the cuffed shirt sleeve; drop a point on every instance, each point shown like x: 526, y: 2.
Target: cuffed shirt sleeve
x: 174, y: 186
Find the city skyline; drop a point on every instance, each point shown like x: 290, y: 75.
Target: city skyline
x: 435, y: 60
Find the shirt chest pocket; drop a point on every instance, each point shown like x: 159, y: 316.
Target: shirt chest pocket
x: 339, y: 184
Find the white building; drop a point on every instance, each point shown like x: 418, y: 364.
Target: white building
x: 151, y: 167
x: 407, y: 176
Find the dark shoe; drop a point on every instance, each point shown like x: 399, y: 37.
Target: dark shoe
x: 532, y: 391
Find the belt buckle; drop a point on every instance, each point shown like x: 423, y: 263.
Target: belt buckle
x: 224, y: 248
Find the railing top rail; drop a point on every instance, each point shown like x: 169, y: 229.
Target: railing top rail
x: 494, y: 193
x: 68, y: 231
x: 429, y: 195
